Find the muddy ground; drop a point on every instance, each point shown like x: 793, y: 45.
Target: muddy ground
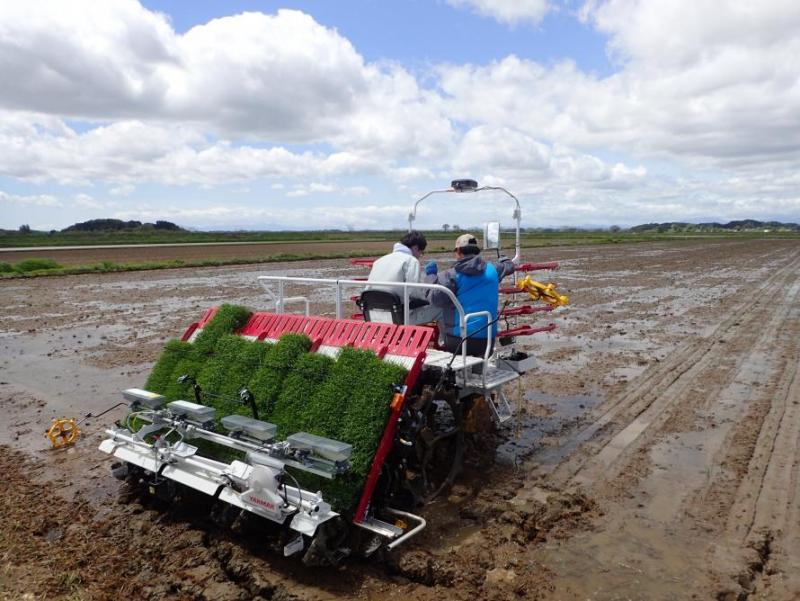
x: 192, y: 252
x: 656, y: 454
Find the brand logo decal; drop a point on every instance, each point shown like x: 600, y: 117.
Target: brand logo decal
x: 261, y: 502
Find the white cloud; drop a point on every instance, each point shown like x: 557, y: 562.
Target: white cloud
x: 699, y: 118
x: 126, y: 153
x: 85, y: 201
x: 358, y: 217
x: 123, y: 190
x: 697, y: 80
x: 326, y: 188
x: 281, y: 77
x: 503, y: 154
x: 34, y: 200
x: 510, y: 12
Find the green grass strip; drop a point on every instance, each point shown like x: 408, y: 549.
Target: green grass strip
x: 371, y: 381
x: 352, y: 405
x: 190, y: 365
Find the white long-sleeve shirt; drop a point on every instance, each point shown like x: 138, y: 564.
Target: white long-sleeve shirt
x: 398, y: 266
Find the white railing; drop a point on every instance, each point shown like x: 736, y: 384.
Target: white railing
x: 340, y: 285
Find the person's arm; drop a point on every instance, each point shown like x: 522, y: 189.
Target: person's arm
x: 412, y: 275
x: 446, y: 279
x: 504, y: 267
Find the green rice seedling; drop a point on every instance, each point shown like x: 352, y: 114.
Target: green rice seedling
x: 347, y: 401
x: 266, y: 383
x: 308, y: 374
x: 159, y: 378
x: 6, y: 267
x: 352, y: 406
x: 368, y: 410
x: 191, y: 365
x: 342, y: 492
x: 36, y: 265
x: 227, y: 371
x: 227, y: 320
x: 351, y: 383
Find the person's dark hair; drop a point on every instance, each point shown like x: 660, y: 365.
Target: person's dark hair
x: 471, y: 249
x: 415, y: 238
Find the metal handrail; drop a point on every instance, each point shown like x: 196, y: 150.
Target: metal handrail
x: 421, y: 523
x: 281, y: 280
x: 489, y: 347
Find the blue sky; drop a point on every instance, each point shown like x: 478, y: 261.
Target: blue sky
x: 294, y: 115
x: 420, y: 32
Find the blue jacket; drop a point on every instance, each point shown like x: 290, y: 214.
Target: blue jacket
x: 475, y: 284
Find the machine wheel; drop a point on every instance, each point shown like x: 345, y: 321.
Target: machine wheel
x: 440, y: 449
x: 63, y: 432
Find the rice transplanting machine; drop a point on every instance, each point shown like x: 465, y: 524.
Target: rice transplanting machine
x: 245, y: 463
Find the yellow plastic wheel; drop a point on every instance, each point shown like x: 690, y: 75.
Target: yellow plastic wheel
x: 63, y: 432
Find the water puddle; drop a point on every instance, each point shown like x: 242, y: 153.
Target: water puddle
x: 541, y: 424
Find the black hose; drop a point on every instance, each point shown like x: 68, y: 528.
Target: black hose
x: 90, y: 414
x: 299, y: 490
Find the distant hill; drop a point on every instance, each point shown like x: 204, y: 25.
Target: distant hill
x: 744, y: 225
x: 116, y: 225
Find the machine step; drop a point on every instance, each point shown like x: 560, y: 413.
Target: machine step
x: 441, y: 359
x: 501, y: 408
x: 491, y: 378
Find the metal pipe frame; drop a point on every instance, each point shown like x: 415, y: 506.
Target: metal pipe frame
x: 412, y: 214
x: 189, y: 431
x: 340, y: 284
x: 215, y: 471
x: 421, y: 523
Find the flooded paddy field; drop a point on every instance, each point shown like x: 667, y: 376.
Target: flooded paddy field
x: 655, y: 454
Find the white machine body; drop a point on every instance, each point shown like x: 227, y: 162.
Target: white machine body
x: 258, y: 485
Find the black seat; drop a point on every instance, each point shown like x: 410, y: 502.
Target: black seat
x: 385, y: 307
x: 381, y: 306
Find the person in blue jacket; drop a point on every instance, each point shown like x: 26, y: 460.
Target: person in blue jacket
x: 476, y: 284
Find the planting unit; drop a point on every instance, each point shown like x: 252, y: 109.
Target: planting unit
x: 333, y: 429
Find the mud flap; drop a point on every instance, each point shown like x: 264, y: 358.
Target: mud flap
x: 478, y: 418
x: 294, y: 546
x: 327, y: 547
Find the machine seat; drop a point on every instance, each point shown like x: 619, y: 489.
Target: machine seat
x: 385, y: 307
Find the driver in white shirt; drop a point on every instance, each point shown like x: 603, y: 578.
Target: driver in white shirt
x: 402, y: 265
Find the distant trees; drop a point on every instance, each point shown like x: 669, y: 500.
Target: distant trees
x: 25, y: 229
x: 168, y: 226
x: 446, y: 228
x: 744, y: 225
x: 115, y: 225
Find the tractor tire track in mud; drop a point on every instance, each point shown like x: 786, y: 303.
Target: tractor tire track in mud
x: 697, y: 462
x: 653, y: 393
x: 763, y: 526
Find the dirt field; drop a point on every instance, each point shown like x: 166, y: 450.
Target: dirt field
x: 656, y: 454
x: 256, y: 251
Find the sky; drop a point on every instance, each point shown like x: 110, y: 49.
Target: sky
x: 317, y: 114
